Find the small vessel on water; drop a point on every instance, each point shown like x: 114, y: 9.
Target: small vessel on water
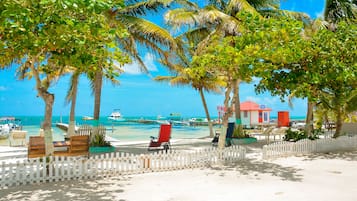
x: 87, y: 118
x: 116, y: 116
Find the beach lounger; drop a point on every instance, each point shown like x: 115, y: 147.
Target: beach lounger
x: 163, y: 140
x: 229, y: 134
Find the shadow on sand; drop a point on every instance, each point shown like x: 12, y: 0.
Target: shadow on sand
x: 344, y: 155
x: 254, y: 168
x: 103, y: 189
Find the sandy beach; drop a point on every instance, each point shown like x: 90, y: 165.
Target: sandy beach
x: 312, y: 177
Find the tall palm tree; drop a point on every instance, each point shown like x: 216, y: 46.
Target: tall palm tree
x: 219, y: 18
x: 140, y: 31
x: 72, y: 97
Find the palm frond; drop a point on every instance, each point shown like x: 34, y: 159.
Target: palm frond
x: 129, y: 46
x: 144, y: 29
x: 181, y: 17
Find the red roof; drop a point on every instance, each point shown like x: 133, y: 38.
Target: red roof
x: 251, y: 106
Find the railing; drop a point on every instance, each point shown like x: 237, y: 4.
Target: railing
x: 278, y: 149
x: 60, y: 168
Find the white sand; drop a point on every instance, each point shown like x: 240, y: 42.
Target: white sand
x: 319, y: 177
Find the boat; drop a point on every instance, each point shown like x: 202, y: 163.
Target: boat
x: 116, y: 116
x: 87, y: 118
x: 7, y: 124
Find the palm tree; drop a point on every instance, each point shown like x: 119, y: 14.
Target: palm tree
x: 219, y: 18
x: 140, y: 31
x: 72, y: 97
x: 339, y: 10
x: 336, y: 11
x: 199, y: 80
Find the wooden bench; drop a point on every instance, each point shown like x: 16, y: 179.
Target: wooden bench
x: 77, y: 146
x: 36, y: 147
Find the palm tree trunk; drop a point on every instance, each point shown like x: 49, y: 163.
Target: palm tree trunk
x: 72, y: 123
x: 226, y: 115
x: 97, y: 94
x: 309, y: 118
x: 49, y: 100
x: 237, y: 107
x: 207, y: 112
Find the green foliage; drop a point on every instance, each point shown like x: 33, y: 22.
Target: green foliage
x: 61, y: 34
x: 240, y: 133
x: 299, y: 135
x: 99, y: 141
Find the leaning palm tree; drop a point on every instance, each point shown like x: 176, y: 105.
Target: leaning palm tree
x: 200, y: 80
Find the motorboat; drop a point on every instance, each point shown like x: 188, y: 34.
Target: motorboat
x: 7, y: 124
x: 115, y: 115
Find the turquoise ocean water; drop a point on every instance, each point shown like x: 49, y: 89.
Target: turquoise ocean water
x: 129, y: 130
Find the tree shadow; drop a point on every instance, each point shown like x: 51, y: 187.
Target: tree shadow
x: 255, y: 168
x: 344, y: 155
x: 88, y: 189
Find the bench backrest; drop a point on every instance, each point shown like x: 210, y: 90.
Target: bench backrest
x: 36, y: 147
x: 79, y: 145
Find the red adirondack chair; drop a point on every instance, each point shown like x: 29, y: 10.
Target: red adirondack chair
x: 163, y: 140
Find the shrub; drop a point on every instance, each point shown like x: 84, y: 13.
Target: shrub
x: 299, y: 135
x: 99, y: 141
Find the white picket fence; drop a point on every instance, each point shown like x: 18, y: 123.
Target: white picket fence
x: 60, y: 168
x: 283, y: 148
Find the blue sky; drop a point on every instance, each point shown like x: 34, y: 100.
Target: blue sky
x: 138, y: 95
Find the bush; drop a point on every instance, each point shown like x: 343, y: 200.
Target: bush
x: 299, y: 135
x: 240, y: 133
x: 98, y: 140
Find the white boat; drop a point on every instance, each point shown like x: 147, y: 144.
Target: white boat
x: 87, y: 118
x: 116, y: 116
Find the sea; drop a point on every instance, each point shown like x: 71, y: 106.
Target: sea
x: 129, y: 130
x: 126, y: 131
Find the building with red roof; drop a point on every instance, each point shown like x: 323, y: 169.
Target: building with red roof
x: 253, y: 114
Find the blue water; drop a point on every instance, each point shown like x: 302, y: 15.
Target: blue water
x: 129, y: 130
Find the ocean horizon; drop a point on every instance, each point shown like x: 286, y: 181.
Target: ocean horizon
x: 37, y: 120
x: 124, y: 131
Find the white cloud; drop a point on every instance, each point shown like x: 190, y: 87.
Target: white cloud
x: 134, y: 68
x: 2, y: 88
